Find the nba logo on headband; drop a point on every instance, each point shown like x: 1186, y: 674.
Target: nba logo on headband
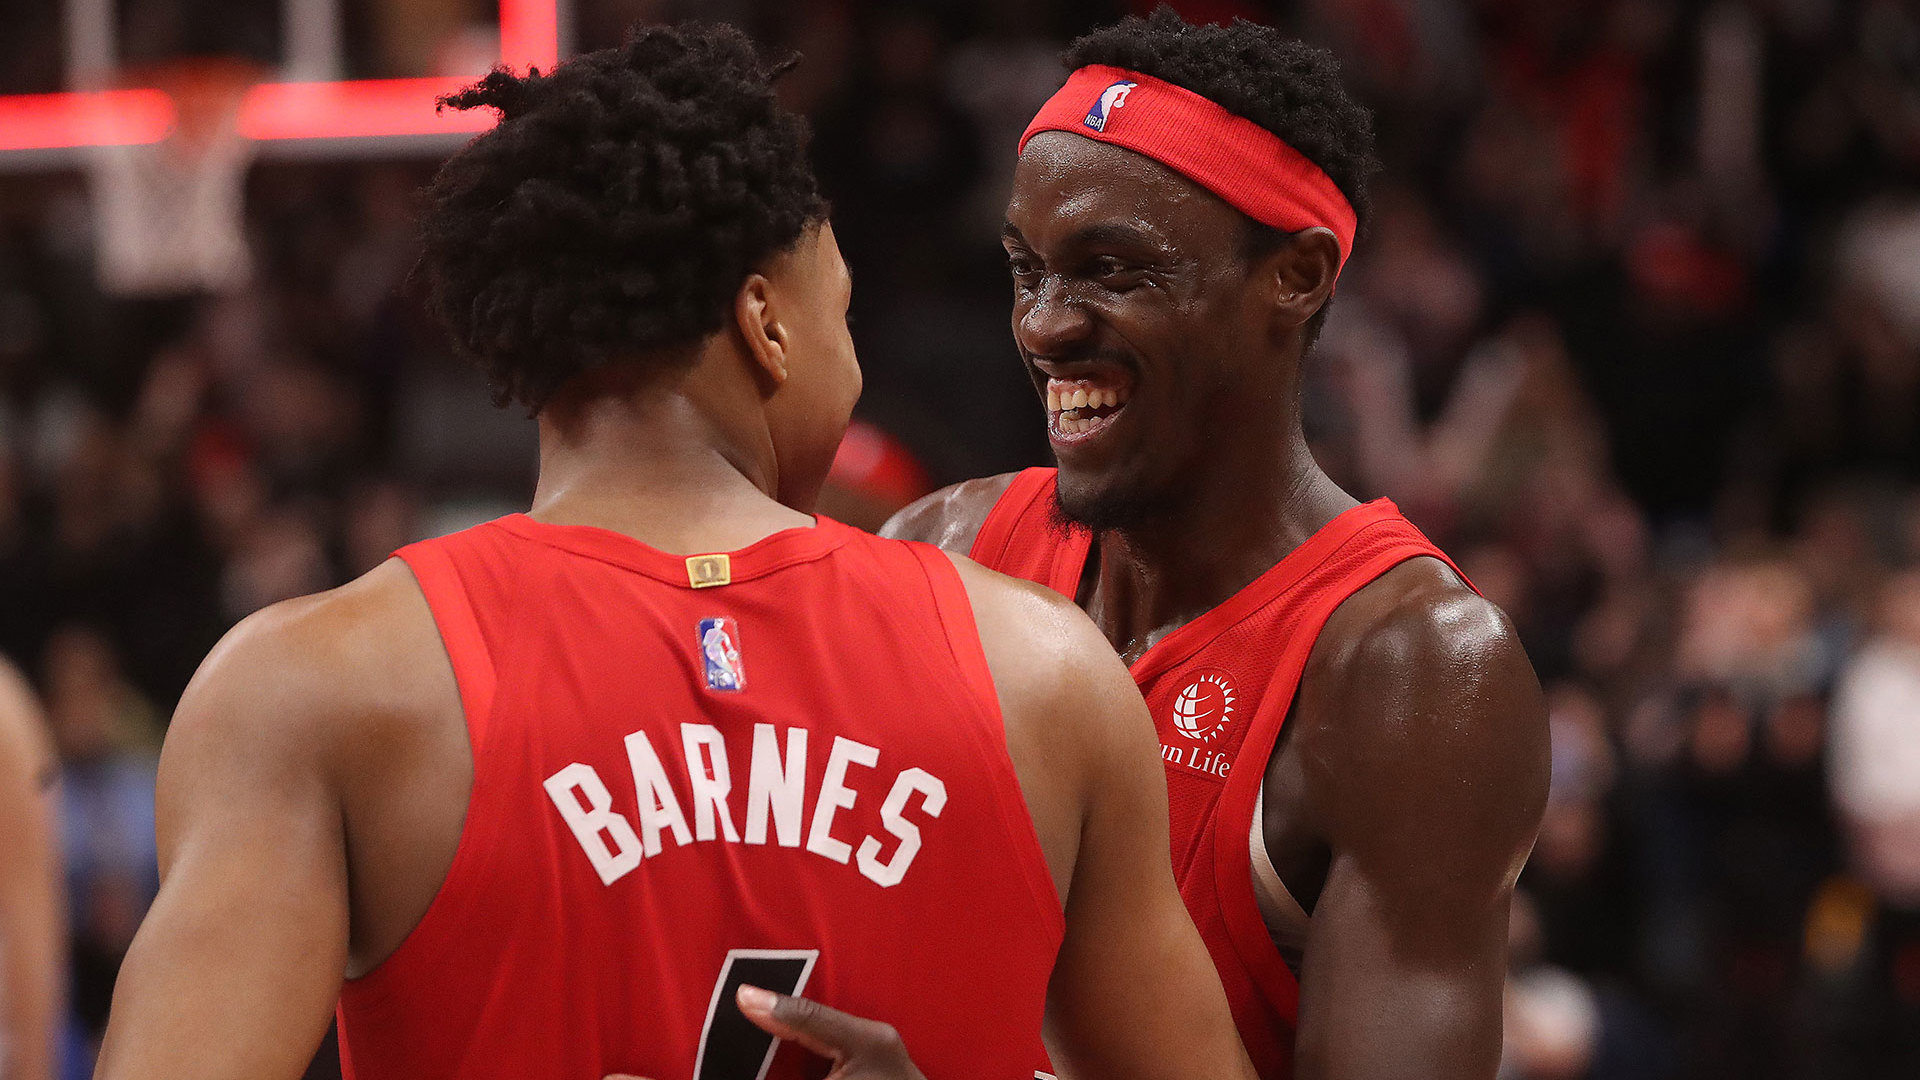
x: 1110, y: 99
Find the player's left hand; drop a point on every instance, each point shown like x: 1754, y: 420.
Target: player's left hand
x: 859, y: 1049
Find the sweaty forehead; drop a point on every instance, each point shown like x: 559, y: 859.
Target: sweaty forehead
x: 1064, y: 183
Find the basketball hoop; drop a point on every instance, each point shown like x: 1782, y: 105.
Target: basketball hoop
x: 169, y: 216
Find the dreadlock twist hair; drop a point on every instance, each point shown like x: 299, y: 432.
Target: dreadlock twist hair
x: 616, y: 207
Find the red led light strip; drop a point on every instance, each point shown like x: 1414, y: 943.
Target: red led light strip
x: 529, y: 37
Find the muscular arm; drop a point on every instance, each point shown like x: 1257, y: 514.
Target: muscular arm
x: 32, y: 919
x: 950, y: 518
x: 236, y: 969
x: 1425, y: 739
x: 1134, y: 993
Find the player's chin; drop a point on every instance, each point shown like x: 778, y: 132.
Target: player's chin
x: 1106, y: 496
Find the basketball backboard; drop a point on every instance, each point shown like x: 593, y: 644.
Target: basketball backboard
x: 292, y: 114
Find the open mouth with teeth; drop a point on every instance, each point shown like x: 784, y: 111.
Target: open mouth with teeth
x: 1077, y: 407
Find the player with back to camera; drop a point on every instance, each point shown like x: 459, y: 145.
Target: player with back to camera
x: 1355, y: 744
x: 547, y: 790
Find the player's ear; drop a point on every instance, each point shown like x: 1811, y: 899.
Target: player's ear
x: 756, y: 315
x: 1300, y: 275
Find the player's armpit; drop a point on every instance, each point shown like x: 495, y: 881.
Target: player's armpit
x: 236, y: 968
x: 1134, y: 993
x: 1430, y: 770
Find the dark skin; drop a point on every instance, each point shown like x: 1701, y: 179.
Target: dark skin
x: 1409, y: 778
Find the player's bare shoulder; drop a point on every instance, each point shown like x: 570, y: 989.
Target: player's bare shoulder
x: 26, y: 750
x: 1418, y: 630
x: 327, y: 679
x: 951, y: 517
x: 1419, y: 704
x: 1039, y: 645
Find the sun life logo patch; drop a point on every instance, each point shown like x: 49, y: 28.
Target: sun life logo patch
x: 1110, y: 99
x: 1202, y: 710
x: 720, y: 654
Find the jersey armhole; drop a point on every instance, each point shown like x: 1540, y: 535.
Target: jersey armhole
x: 1235, y: 866
x: 453, y: 615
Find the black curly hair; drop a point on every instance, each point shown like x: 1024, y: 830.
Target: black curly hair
x: 616, y: 207
x: 1286, y: 86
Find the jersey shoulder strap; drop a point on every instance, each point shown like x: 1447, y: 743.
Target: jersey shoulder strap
x: 437, y: 566
x: 1022, y: 536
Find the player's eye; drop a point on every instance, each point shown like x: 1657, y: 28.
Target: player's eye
x: 1114, y: 273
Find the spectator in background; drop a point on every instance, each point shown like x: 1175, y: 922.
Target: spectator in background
x: 108, y: 739
x: 1875, y: 772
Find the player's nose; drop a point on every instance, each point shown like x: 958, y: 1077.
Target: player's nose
x: 1052, y: 322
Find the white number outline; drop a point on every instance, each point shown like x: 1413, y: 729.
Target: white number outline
x: 720, y: 985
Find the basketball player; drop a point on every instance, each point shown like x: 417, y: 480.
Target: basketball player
x: 1355, y: 745
x: 32, y: 917
x: 550, y: 790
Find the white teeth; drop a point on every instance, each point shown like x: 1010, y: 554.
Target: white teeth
x: 1069, y: 405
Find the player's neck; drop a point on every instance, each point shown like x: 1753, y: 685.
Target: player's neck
x: 658, y: 468
x: 1236, y: 521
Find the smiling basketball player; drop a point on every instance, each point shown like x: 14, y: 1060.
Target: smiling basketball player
x: 1355, y: 745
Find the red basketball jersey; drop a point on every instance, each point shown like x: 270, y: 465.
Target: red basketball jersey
x: 785, y: 764
x: 1219, y: 688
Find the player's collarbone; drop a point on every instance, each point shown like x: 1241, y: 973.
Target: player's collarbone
x: 777, y: 801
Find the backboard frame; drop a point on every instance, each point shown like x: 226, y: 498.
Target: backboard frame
x: 312, y: 119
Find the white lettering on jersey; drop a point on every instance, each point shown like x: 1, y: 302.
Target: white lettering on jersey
x: 835, y: 796
x: 659, y: 809
x: 776, y: 794
x: 595, y: 823
x: 933, y: 798
x: 776, y: 786
x: 711, y: 782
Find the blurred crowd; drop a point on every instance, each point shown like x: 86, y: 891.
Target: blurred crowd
x: 1635, y: 336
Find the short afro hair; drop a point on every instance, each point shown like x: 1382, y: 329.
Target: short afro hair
x: 1284, y: 85
x: 616, y: 207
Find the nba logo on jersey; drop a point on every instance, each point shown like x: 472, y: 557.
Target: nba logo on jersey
x: 1110, y: 99
x: 720, y: 652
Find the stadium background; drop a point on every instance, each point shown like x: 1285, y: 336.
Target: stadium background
x: 1635, y: 336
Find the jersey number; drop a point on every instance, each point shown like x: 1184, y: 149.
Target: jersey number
x: 731, y: 1047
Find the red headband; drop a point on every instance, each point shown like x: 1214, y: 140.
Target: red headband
x: 1250, y: 167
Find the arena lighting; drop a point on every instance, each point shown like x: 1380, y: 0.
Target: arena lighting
x: 365, y: 108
